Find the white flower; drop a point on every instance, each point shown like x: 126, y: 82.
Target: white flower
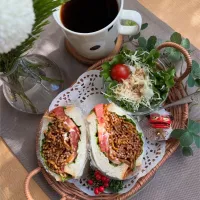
x: 16, y: 21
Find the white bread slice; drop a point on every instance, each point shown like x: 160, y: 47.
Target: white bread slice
x: 44, y: 127
x: 77, y: 167
x: 98, y: 158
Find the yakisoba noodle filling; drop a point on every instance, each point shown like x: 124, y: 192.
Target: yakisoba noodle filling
x: 60, y: 142
x: 123, y: 141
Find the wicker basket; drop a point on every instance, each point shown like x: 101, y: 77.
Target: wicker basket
x: 180, y: 113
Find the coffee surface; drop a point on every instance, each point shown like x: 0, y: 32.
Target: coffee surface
x: 86, y: 16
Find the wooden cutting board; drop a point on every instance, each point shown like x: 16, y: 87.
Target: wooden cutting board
x: 182, y: 15
x: 12, y: 177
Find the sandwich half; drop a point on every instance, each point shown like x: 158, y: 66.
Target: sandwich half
x: 116, y: 141
x: 63, y: 143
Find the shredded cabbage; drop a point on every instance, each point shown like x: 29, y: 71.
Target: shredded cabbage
x: 137, y: 89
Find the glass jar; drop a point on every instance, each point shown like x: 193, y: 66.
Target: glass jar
x: 32, y: 83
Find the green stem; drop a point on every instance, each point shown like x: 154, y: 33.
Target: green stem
x: 26, y: 100
x: 16, y: 89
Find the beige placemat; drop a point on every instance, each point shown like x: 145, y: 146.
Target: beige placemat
x: 182, y: 15
x: 12, y: 176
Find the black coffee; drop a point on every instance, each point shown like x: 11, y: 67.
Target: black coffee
x: 86, y: 16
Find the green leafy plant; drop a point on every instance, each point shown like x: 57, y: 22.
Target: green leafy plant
x: 188, y: 136
x: 194, y: 76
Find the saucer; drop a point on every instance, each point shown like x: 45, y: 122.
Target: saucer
x: 88, y: 61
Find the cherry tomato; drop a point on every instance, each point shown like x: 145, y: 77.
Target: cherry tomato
x: 98, y: 177
x: 90, y: 182
x: 105, y: 185
x: 101, y: 189
x: 120, y: 72
x: 103, y: 178
x: 96, y: 190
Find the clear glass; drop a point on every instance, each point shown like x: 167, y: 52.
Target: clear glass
x: 32, y: 84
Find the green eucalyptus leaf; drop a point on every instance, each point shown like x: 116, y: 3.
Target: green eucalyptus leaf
x: 151, y: 42
x: 190, y: 81
x: 136, y: 36
x: 197, y: 140
x: 145, y: 25
x: 176, y: 37
x: 168, y: 50
x: 142, y: 42
x: 177, y: 133
x: 185, y: 43
x: 174, y: 55
x: 186, y: 139
x: 193, y: 126
x: 187, y: 151
x: 195, y: 70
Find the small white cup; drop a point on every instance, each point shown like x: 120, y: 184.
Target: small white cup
x: 99, y: 44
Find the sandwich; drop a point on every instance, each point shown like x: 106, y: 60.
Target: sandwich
x: 63, y: 143
x: 116, y: 141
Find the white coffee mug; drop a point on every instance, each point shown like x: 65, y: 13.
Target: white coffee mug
x: 99, y: 44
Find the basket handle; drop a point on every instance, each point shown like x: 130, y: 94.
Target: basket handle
x: 187, y: 56
x: 27, y: 183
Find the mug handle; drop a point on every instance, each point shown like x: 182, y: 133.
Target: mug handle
x: 130, y: 15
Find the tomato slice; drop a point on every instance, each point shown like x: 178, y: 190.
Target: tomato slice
x: 74, y: 133
x: 120, y: 72
x: 103, y: 136
x: 99, y: 113
x: 59, y: 111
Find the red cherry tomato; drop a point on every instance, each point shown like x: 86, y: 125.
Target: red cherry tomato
x: 96, y: 190
x: 101, y: 189
x: 90, y: 182
x: 120, y: 72
x: 105, y: 185
x: 98, y: 177
x: 103, y: 178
